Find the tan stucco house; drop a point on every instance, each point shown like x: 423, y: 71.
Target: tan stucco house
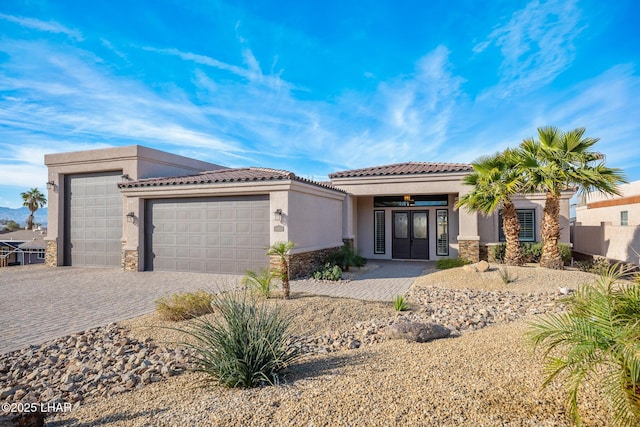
x: 142, y: 209
x: 609, y: 226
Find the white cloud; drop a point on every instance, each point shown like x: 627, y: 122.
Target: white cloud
x: 45, y: 26
x: 537, y: 44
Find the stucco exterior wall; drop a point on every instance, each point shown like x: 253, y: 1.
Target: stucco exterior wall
x: 489, y: 227
x: 314, y: 218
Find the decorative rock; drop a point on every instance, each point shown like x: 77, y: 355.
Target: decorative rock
x: 417, y: 332
x: 565, y: 291
x: 482, y: 266
x: 471, y: 268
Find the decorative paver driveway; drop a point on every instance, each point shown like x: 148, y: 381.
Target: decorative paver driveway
x: 39, y: 303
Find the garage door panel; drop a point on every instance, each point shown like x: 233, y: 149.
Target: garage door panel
x: 218, y: 235
x: 93, y: 220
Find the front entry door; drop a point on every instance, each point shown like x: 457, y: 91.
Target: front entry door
x: 410, y: 235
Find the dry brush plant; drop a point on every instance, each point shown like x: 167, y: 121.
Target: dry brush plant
x: 184, y: 305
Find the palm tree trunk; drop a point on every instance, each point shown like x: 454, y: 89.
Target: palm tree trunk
x: 551, y: 257
x: 284, y: 271
x: 511, y: 229
x: 30, y: 221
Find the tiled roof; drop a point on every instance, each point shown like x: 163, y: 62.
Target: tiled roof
x: 409, y: 168
x: 224, y: 176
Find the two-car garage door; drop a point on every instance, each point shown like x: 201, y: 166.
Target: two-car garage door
x: 209, y: 235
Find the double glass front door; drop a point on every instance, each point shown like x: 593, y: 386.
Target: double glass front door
x: 410, y: 237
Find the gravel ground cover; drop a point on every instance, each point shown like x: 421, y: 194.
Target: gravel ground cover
x: 485, y: 375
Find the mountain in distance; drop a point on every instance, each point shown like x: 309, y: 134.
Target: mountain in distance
x: 20, y: 215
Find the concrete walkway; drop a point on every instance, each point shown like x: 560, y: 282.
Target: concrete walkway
x: 38, y: 303
x: 391, y: 278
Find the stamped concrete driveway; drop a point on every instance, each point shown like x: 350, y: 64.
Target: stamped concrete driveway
x: 38, y: 303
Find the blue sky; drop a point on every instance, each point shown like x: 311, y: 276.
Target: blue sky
x: 312, y: 87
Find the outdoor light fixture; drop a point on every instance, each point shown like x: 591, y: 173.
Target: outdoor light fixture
x: 277, y: 215
x: 51, y: 185
x: 125, y: 177
x: 131, y: 217
x: 407, y: 197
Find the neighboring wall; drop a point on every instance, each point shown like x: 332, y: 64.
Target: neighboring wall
x: 619, y: 243
x: 598, y: 229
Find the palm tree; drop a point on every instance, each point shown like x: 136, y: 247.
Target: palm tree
x: 596, y: 341
x: 33, y: 200
x: 281, y: 250
x: 557, y: 161
x: 495, y: 179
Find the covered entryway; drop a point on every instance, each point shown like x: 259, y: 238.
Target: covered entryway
x: 93, y: 220
x: 210, y: 235
x: 410, y: 235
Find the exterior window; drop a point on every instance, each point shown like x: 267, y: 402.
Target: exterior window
x: 527, y: 218
x: 378, y: 232
x: 40, y: 253
x: 442, y: 232
x: 624, y: 217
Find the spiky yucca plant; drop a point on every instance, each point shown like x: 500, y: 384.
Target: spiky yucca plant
x: 596, y: 340
x: 246, y: 343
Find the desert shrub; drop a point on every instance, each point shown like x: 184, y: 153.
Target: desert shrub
x: 262, y: 282
x: 596, y: 341
x: 400, y: 304
x: 498, y: 252
x: 329, y: 272
x: 565, y: 252
x: 595, y: 266
x: 246, y: 344
x: 531, y: 252
x: 346, y: 257
x: 505, y: 275
x: 446, y: 263
x: 185, y: 305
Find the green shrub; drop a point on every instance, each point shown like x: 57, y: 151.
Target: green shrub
x: 329, y: 272
x: 399, y: 303
x: 595, y: 266
x: 531, y: 252
x: 565, y: 252
x: 596, y: 341
x: 261, y: 283
x: 347, y: 257
x: 446, y: 263
x: 183, y: 306
x: 246, y: 344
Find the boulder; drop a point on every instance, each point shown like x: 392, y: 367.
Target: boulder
x: 471, y: 268
x: 417, y: 332
x: 482, y: 266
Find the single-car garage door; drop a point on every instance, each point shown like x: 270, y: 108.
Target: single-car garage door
x: 93, y: 220
x: 209, y: 235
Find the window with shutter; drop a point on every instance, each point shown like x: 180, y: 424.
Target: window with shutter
x: 378, y: 232
x: 527, y: 218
